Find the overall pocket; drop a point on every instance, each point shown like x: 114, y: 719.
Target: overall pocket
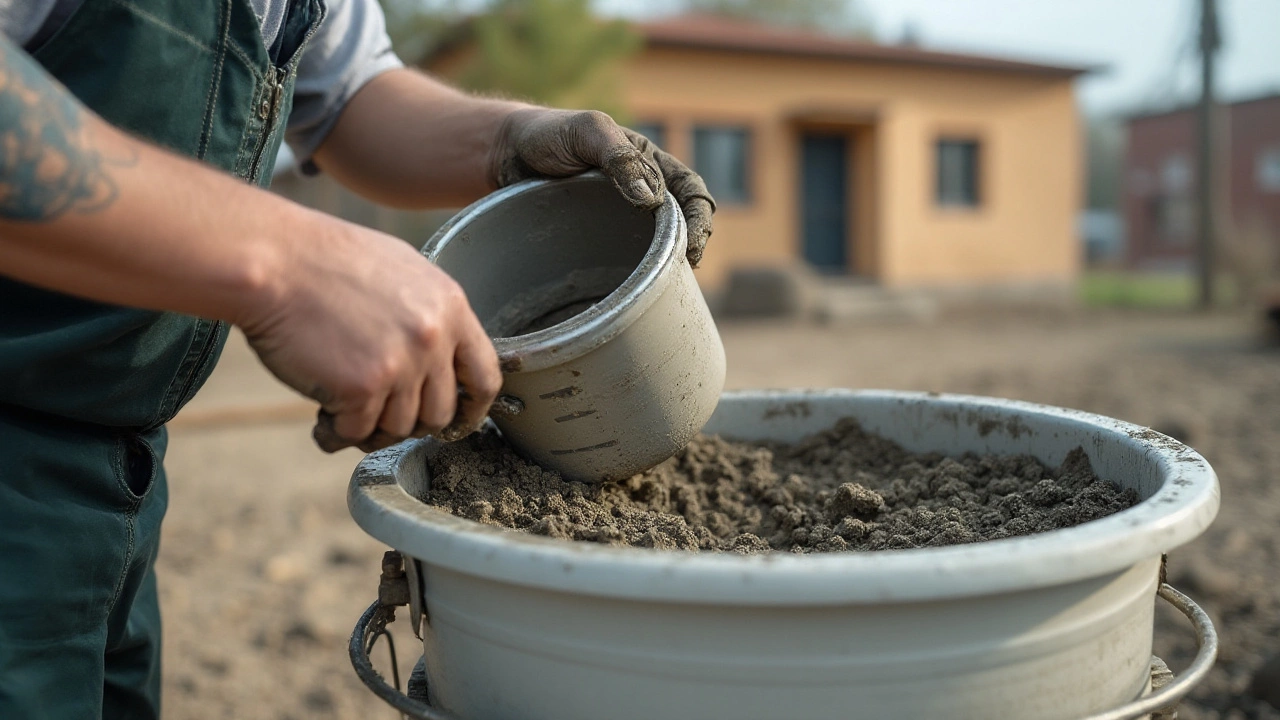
x: 139, y: 466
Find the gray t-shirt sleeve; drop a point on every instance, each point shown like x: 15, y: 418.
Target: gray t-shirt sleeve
x: 349, y: 50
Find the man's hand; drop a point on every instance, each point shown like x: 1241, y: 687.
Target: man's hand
x: 380, y: 337
x: 539, y: 142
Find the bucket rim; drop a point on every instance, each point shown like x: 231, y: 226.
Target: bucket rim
x: 600, y: 323
x: 1180, y: 510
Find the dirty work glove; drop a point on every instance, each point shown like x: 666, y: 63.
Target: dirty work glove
x: 539, y: 142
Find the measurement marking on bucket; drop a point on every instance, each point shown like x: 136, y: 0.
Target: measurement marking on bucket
x: 560, y: 394
x: 589, y: 448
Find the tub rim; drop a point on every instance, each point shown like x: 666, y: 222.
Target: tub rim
x: 1185, y: 504
x: 600, y: 323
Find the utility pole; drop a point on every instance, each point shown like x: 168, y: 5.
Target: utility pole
x: 1210, y: 41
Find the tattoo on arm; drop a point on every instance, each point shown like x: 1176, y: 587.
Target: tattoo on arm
x: 49, y: 164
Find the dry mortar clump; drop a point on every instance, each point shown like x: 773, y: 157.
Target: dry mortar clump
x: 838, y: 490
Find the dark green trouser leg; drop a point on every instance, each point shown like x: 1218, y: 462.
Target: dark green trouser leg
x: 80, y: 513
x: 131, y: 686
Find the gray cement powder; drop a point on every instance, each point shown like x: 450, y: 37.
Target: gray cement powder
x: 843, y: 489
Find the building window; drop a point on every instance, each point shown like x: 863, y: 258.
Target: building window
x: 1268, y: 169
x: 1175, y: 175
x: 1174, y: 207
x: 655, y: 131
x: 1175, y: 219
x: 957, y: 162
x: 720, y: 157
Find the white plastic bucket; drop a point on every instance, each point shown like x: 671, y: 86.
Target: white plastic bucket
x: 1054, y: 625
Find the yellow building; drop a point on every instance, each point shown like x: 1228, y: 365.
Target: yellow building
x: 899, y: 165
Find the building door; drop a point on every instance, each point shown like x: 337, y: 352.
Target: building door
x: 824, y: 199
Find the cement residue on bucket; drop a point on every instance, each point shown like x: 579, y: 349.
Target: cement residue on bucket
x: 553, y: 303
x: 843, y: 489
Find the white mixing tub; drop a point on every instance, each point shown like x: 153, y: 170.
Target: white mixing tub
x: 1054, y: 625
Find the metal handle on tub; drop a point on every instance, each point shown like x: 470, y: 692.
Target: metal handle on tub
x: 397, y: 586
x: 370, y: 625
x: 1169, y: 695
x: 374, y: 621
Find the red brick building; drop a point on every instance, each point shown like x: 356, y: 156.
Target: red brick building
x: 1161, y: 176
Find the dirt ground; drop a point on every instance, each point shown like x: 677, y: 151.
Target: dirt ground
x: 262, y: 572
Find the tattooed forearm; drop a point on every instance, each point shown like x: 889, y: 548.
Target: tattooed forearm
x: 48, y: 163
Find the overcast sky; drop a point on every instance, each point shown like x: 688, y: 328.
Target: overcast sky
x: 1147, y: 46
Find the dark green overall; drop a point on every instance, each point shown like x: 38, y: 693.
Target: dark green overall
x: 86, y: 388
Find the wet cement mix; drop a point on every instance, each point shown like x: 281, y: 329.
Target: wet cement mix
x: 838, y: 490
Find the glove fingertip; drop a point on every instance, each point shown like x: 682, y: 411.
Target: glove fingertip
x: 698, y: 237
x: 639, y: 193
x: 638, y: 181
